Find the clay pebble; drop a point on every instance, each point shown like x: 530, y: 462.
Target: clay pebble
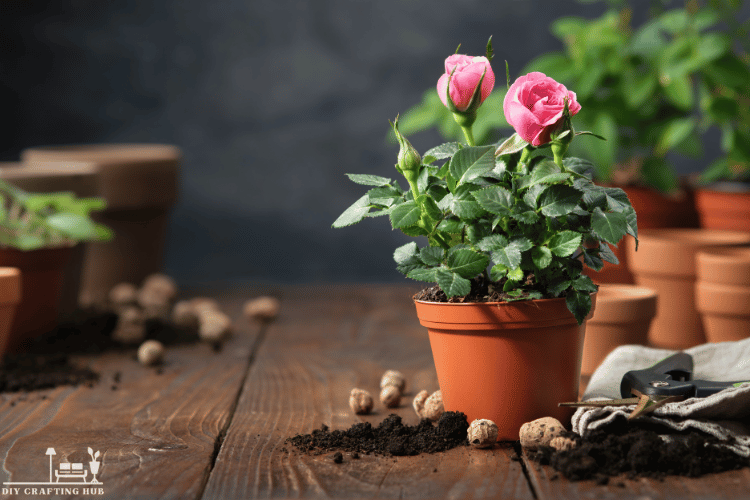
x: 360, y: 401
x: 262, y: 309
x: 540, y: 432
x: 482, y: 433
x: 150, y: 353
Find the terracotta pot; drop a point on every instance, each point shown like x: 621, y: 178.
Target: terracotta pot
x: 139, y: 182
x: 724, y: 209
x: 10, y: 296
x: 42, y: 274
x: 623, y: 316
x: 48, y: 177
x: 492, y: 359
x: 654, y: 210
x: 665, y: 262
x: 722, y: 293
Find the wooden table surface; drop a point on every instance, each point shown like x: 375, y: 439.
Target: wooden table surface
x: 212, y: 425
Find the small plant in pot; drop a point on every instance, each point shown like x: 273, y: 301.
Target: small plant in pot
x: 37, y: 234
x: 509, y: 228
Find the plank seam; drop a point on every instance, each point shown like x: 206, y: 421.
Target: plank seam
x: 519, y: 451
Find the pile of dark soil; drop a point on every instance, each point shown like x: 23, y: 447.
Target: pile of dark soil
x: 637, y: 451
x: 482, y: 290
x: 390, y: 437
x: 29, y: 372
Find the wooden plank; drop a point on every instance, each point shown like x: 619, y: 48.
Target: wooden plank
x: 157, y: 433
x: 327, y: 341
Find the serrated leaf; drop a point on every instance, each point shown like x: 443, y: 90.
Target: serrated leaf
x: 405, y: 252
x: 429, y: 208
x: 467, y: 263
x: 547, y: 173
x: 610, y: 226
x: 405, y: 214
x: 464, y: 205
x: 496, y: 200
x: 75, y: 226
x: 584, y: 284
x: 451, y: 283
x: 559, y: 200
x: 452, y: 226
x: 541, y: 256
x: 385, y: 196
x: 559, y: 287
x: 369, y: 180
x: 510, y: 254
x: 493, y: 243
x: 469, y: 163
x: 354, y: 213
x: 444, y: 150
x: 498, y: 272
x: 432, y: 256
x: 579, y: 303
x: 565, y: 243
x: 673, y: 134
x: 632, y: 223
x: 531, y: 198
x: 579, y: 166
x: 427, y: 275
x: 592, y: 261
x: 414, y: 231
x: 606, y: 253
x: 515, y: 274
x: 513, y: 144
x: 524, y: 213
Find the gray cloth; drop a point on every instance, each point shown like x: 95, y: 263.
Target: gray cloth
x: 725, y: 414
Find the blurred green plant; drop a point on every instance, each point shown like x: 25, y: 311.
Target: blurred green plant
x: 29, y: 221
x: 650, y: 90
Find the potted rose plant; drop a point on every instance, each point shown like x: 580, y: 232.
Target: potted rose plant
x: 509, y: 230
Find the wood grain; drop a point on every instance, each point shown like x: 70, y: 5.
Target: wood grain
x: 157, y: 432
x: 327, y: 342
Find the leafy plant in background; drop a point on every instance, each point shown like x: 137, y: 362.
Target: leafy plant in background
x: 651, y: 90
x: 29, y: 221
x: 502, y: 214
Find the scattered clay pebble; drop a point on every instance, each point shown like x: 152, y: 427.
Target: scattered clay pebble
x: 540, y: 432
x: 394, y: 378
x: 151, y: 353
x: 154, y: 304
x: 562, y: 443
x: 162, y: 285
x: 433, y: 406
x: 131, y: 327
x: 482, y: 433
x: 360, y: 401
x: 215, y: 326
x: 262, y: 308
x: 184, y: 315
x: 390, y: 396
x: 202, y: 303
x: 123, y: 294
x: 419, y: 401
x: 338, y: 457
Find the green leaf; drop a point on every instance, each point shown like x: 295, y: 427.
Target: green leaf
x: 28, y: 242
x: 524, y: 213
x: 427, y: 275
x: 638, y: 86
x: 610, y: 226
x: 493, y: 243
x: 579, y: 303
x: 354, y: 213
x: 405, y: 214
x: 541, y: 256
x: 675, y: 20
x: 78, y: 227
x: 674, y: 133
x: 593, y: 261
x: 369, y: 180
x: 444, y: 150
x: 510, y: 254
x: 495, y: 199
x: 565, y: 243
x: 432, y: 256
x: 659, y: 174
x: 385, y: 196
x: 429, y: 208
x: 632, y: 223
x: 559, y: 287
x: 414, y: 231
x: 711, y: 46
x: 451, y: 283
x: 606, y: 253
x: 498, y: 272
x: 604, y: 153
x: 471, y: 162
x: 103, y: 233
x: 513, y: 144
x: 515, y: 274
x: 464, y: 205
x: 405, y: 252
x: 452, y: 225
x: 559, y: 200
x: 579, y: 166
x: 584, y: 284
x: 467, y: 263
x: 679, y: 91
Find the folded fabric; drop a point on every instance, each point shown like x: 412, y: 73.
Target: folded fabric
x: 725, y: 415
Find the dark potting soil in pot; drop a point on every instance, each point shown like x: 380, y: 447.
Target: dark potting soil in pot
x: 390, y: 437
x: 637, y: 450
x: 47, y: 363
x: 482, y: 290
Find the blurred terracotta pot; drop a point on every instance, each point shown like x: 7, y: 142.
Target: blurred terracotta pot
x: 623, y: 316
x: 42, y: 273
x: 665, y: 262
x: 722, y: 293
x: 727, y: 206
x: 492, y: 359
x: 49, y: 177
x: 139, y: 182
x: 10, y: 296
x: 654, y: 210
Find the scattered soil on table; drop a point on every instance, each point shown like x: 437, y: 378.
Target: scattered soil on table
x: 638, y: 451
x: 482, y: 290
x: 390, y: 437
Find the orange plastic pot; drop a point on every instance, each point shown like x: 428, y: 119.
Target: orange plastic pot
x: 10, y: 296
x: 42, y: 273
x: 623, y: 316
x: 722, y: 293
x: 654, y: 210
x: 723, y: 209
x: 665, y: 262
x: 508, y: 362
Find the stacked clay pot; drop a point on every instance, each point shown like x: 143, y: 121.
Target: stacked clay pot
x: 665, y: 262
x: 722, y: 293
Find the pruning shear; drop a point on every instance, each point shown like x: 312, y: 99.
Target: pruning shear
x: 669, y: 380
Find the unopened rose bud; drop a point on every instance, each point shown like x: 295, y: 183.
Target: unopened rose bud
x: 409, y: 160
x: 466, y: 83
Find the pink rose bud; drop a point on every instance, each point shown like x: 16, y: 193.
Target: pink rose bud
x: 534, y: 106
x: 464, y: 74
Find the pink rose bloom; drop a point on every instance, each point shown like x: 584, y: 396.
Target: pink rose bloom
x: 465, y: 80
x: 534, y: 106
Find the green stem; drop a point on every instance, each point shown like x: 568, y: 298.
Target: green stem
x: 469, y: 136
x: 559, y: 159
x: 413, y: 186
x: 443, y: 242
x: 525, y: 155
